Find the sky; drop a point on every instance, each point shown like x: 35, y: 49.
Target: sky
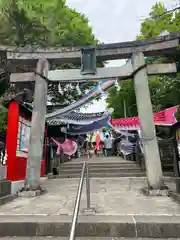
x: 114, y: 21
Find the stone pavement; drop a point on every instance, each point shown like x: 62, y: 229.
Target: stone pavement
x: 111, y: 196
x: 81, y: 238
x: 121, y: 211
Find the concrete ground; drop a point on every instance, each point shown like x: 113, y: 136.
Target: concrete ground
x: 121, y: 211
x: 81, y: 238
x: 111, y: 196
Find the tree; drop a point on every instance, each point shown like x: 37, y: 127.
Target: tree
x: 43, y: 23
x: 165, y: 90
x: 125, y: 96
x: 3, y: 118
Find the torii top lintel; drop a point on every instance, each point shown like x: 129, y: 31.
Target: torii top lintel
x: 150, y: 47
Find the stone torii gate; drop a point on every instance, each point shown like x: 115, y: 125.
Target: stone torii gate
x: 42, y: 59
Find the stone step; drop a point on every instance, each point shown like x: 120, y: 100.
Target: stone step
x: 62, y: 238
x: 91, y: 226
x: 100, y: 174
x: 79, y: 238
x: 168, y: 174
x: 6, y: 199
x: 101, y: 166
x: 101, y: 170
x: 105, y: 175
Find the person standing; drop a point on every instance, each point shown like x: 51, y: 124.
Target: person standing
x: 108, y: 146
x: 97, y: 146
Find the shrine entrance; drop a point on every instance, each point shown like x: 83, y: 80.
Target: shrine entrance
x: 136, y: 69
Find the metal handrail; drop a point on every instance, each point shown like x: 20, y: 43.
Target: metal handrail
x: 77, y: 203
x: 88, y: 188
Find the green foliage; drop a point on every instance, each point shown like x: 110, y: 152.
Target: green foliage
x: 44, y: 23
x: 4, y: 85
x: 6, y: 94
x: 3, y: 118
x: 116, y: 100
x: 154, y: 25
x: 165, y: 90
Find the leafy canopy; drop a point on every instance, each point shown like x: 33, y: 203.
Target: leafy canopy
x: 44, y: 23
x: 165, y: 90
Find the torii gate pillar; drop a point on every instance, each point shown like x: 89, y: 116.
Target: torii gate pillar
x: 145, y: 112
x: 36, y: 140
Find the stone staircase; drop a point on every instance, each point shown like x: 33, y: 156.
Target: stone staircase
x: 101, y: 170
x: 67, y: 238
x: 90, y: 227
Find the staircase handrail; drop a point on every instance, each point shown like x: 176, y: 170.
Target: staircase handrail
x: 77, y: 203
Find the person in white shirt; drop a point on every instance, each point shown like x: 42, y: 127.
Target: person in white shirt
x: 108, y: 146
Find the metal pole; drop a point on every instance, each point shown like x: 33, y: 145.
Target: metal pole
x: 125, y: 115
x: 51, y: 158
x: 125, y: 112
x: 77, y: 204
x: 87, y: 187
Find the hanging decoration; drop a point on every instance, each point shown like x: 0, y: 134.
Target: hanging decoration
x: 60, y: 89
x: 86, y: 128
x: 104, y: 84
x: 69, y: 147
x: 78, y: 89
x: 92, y: 94
x: 70, y: 86
x: 118, y: 87
x: 67, y: 86
x: 103, y: 93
